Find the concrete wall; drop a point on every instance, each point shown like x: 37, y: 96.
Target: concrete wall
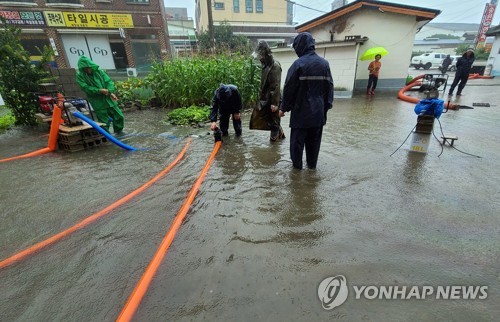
x: 341, y: 58
x: 395, y: 32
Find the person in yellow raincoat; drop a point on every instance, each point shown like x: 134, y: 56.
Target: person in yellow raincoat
x: 265, y: 115
x: 100, y: 92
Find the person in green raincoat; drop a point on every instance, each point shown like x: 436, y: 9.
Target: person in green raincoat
x: 100, y: 92
x: 265, y: 115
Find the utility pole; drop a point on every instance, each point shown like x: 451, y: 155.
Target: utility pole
x: 210, y: 24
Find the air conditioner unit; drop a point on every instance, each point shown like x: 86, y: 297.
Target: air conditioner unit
x: 132, y: 72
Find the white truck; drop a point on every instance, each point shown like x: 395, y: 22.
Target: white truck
x: 427, y: 60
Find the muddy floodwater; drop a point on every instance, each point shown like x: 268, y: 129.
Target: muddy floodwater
x: 260, y: 237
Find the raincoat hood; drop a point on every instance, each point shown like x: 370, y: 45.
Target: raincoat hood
x: 263, y: 52
x: 84, y: 61
x: 224, y: 92
x: 471, y: 56
x: 303, y: 43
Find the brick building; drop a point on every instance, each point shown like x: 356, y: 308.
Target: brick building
x: 116, y: 34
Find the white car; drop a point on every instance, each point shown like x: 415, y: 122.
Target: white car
x: 428, y: 60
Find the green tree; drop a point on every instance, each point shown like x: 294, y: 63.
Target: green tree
x: 225, y: 40
x: 18, y: 77
x: 479, y: 53
x: 461, y: 49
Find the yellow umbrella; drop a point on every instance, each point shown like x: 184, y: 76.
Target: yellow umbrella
x: 370, y: 54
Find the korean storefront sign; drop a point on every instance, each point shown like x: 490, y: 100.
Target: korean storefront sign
x: 23, y: 17
x: 88, y: 20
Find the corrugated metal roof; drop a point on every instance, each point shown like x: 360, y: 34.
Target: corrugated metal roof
x: 442, y: 42
x: 455, y: 26
x: 493, y: 31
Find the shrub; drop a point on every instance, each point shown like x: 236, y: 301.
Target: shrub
x: 18, y: 77
x: 6, y: 121
x: 189, y: 115
x: 133, y: 90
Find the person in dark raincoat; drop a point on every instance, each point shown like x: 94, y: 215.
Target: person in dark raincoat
x: 265, y: 115
x: 308, y: 95
x: 464, y: 65
x: 446, y: 64
x: 100, y: 92
x: 226, y: 102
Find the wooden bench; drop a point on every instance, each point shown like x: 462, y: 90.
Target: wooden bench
x: 452, y: 138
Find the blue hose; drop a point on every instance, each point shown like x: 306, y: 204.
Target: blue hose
x: 103, y: 132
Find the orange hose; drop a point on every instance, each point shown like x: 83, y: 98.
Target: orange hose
x: 476, y: 76
x: 51, y: 145
x: 141, y: 288
x: 94, y: 217
x: 54, y: 127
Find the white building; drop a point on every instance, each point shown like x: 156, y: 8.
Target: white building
x: 494, y: 59
x: 344, y: 34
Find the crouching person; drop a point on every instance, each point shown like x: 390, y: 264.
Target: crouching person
x: 225, y: 103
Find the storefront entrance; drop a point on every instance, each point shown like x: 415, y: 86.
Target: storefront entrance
x: 96, y: 47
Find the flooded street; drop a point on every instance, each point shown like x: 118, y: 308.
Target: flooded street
x: 260, y: 236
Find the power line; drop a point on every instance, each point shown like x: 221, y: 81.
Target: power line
x: 292, y: 2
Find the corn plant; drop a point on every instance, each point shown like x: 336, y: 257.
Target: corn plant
x: 192, y: 81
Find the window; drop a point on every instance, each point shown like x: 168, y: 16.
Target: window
x: 18, y: 1
x: 138, y: 1
x: 249, y: 5
x: 236, y: 6
x: 289, y: 12
x: 64, y: 1
x: 259, y: 6
x: 219, y: 5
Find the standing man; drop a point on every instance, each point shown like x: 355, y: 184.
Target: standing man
x: 308, y: 95
x: 226, y: 102
x: 446, y: 64
x: 100, y: 91
x: 265, y: 115
x: 464, y: 64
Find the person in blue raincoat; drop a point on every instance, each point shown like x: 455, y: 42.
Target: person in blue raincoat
x: 464, y: 65
x: 100, y: 92
x: 308, y: 95
x: 226, y: 102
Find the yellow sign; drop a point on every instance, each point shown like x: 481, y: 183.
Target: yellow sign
x: 88, y: 20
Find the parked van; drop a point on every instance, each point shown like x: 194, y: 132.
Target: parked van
x: 427, y: 61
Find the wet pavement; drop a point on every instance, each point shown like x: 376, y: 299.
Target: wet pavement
x: 260, y: 236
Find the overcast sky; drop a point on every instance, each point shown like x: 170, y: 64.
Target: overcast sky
x: 468, y: 11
